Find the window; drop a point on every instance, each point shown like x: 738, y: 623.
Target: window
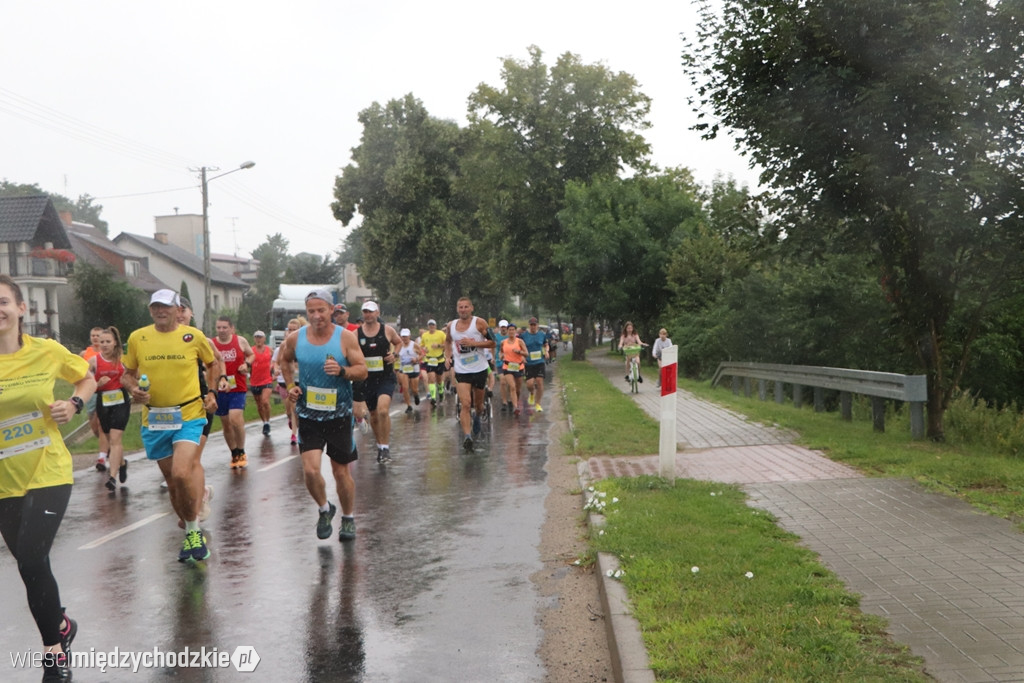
x: 131, y: 268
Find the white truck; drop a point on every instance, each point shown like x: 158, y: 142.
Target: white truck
x: 291, y: 303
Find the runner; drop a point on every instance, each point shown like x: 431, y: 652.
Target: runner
x: 184, y: 317
x: 323, y: 398
x: 375, y: 341
x: 465, y: 339
x: 282, y: 390
x: 500, y: 336
x: 513, y: 359
x: 238, y: 358
x: 409, y: 356
x: 173, y: 415
x: 103, y: 443
x: 536, y: 345
x: 114, y: 406
x: 261, y: 380
x: 340, y: 317
x: 433, y: 344
x: 35, y: 467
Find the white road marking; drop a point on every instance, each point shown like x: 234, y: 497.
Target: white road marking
x: 277, y: 464
x: 121, y: 532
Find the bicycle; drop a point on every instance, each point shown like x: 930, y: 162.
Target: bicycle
x: 632, y: 352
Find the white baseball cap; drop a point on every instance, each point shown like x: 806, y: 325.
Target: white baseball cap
x: 165, y: 297
x: 370, y: 306
x: 502, y: 323
x: 259, y: 333
x: 431, y: 322
x: 405, y: 332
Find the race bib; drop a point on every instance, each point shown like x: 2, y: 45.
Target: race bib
x: 536, y: 355
x: 319, y: 398
x: 375, y: 364
x: 114, y: 397
x: 22, y: 434
x: 232, y: 383
x: 408, y: 369
x: 432, y: 362
x: 165, y: 419
x: 512, y: 367
x: 469, y: 358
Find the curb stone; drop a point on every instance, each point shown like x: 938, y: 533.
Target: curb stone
x: 625, y: 641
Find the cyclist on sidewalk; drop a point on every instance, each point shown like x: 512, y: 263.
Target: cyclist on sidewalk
x: 629, y: 337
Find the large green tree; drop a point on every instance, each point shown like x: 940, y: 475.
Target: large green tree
x: 308, y: 268
x: 890, y: 129
x: 541, y: 129
x: 618, y: 237
x: 108, y: 301
x: 418, y: 244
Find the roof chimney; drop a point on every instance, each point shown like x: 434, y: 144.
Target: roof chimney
x: 65, y: 218
x: 160, y: 237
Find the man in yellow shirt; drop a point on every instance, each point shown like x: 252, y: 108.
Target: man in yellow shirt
x: 433, y: 341
x: 174, y: 414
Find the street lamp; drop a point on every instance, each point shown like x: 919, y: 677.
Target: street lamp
x: 206, y: 238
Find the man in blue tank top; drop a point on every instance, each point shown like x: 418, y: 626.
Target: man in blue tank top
x: 329, y: 361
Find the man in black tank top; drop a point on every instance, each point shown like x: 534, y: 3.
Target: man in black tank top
x: 376, y: 340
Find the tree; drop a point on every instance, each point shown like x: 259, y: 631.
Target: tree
x: 418, y: 245
x: 107, y: 300
x: 618, y: 236
x: 887, y: 129
x: 313, y: 269
x: 541, y: 130
x: 82, y: 209
x: 254, y: 313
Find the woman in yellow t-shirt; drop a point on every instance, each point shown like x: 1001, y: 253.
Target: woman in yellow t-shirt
x: 35, y: 465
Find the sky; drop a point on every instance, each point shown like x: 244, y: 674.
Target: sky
x: 126, y: 100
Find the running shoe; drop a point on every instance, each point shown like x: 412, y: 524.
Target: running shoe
x: 467, y: 443
x: 294, y: 440
x: 504, y: 407
x: 186, y: 549
x: 511, y: 406
x: 243, y: 461
x: 538, y: 409
x: 433, y: 403
x: 266, y: 429
x: 408, y: 409
x: 111, y: 484
x: 122, y: 472
x: 323, y: 525
x: 416, y: 398
x: 347, y: 532
x: 516, y: 412
x: 234, y: 461
x: 56, y: 668
x: 364, y: 425
x: 529, y: 401
x: 68, y: 632
x: 199, y: 549
x: 383, y: 456
x: 101, y: 464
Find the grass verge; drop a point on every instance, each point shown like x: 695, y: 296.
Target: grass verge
x: 723, y: 594
x: 791, y: 620
x: 605, y: 421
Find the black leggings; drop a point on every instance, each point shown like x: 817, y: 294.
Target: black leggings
x: 28, y: 525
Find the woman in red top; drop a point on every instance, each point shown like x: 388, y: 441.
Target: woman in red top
x: 113, y: 405
x: 261, y: 380
x: 513, y: 358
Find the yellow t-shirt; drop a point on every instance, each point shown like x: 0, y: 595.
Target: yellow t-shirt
x: 433, y: 342
x: 170, y: 361
x: 32, y: 452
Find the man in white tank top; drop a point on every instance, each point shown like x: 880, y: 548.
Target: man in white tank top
x: 464, y: 344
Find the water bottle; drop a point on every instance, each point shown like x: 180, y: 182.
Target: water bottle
x: 144, y: 383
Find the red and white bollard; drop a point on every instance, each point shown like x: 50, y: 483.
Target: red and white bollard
x: 667, y: 435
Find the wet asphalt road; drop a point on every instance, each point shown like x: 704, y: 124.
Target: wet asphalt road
x: 436, y: 586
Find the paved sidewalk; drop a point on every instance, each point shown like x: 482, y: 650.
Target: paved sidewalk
x: 949, y: 580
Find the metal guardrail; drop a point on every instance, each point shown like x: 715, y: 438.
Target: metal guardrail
x: 912, y: 389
